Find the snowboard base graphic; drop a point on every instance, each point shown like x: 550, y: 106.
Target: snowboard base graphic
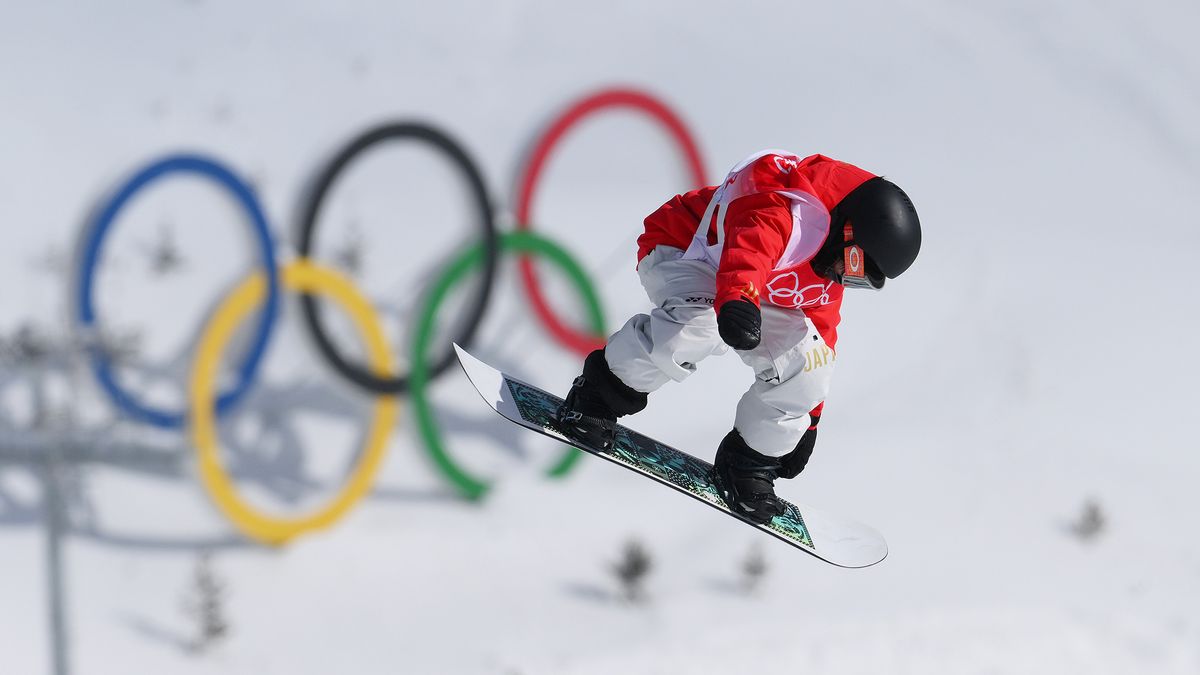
x: 838, y: 541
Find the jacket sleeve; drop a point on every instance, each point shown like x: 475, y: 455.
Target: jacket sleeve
x: 757, y: 228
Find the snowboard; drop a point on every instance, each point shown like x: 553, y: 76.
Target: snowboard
x: 835, y: 540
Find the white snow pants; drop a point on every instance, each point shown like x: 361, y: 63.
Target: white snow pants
x: 792, y: 364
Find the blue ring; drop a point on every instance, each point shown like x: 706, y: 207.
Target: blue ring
x: 101, y: 365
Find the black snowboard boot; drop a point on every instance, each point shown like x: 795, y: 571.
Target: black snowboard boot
x: 746, y: 479
x: 597, y: 398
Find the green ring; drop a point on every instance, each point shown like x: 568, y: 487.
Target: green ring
x: 513, y: 242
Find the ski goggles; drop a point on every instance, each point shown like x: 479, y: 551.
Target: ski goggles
x: 858, y: 271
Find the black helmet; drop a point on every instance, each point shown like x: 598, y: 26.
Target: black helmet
x: 883, y: 223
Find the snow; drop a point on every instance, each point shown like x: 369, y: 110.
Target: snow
x: 1038, y: 356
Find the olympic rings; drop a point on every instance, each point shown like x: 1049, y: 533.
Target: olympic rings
x: 377, y: 374
x: 101, y: 364
x: 611, y: 98
x: 487, y: 221
x: 521, y: 242
x: 306, y: 277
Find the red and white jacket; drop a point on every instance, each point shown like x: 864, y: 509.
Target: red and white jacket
x: 764, y: 222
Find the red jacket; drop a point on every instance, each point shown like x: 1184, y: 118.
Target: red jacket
x: 776, y: 218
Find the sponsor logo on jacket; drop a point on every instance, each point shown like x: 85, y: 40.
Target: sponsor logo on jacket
x: 749, y: 291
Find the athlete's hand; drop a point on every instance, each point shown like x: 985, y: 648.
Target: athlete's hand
x: 740, y: 324
x: 794, y: 461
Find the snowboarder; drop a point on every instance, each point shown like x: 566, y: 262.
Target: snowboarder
x: 758, y: 263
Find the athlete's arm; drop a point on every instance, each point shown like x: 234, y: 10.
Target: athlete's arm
x: 757, y: 228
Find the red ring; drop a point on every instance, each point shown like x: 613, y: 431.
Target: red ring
x: 573, y: 339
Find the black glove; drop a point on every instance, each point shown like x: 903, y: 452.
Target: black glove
x: 793, y: 462
x: 740, y: 324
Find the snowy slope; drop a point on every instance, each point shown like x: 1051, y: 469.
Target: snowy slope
x: 1037, y: 356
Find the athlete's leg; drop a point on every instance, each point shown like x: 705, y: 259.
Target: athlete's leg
x: 666, y: 344
x: 793, y: 368
x: 649, y: 350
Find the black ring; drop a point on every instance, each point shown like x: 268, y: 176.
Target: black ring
x: 487, y: 221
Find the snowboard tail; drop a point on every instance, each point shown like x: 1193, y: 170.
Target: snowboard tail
x: 835, y: 540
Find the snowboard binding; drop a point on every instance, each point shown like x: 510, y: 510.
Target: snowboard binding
x: 597, y: 398
x: 746, y: 479
x: 599, y: 430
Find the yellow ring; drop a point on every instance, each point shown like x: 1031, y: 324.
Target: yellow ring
x: 301, y: 276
